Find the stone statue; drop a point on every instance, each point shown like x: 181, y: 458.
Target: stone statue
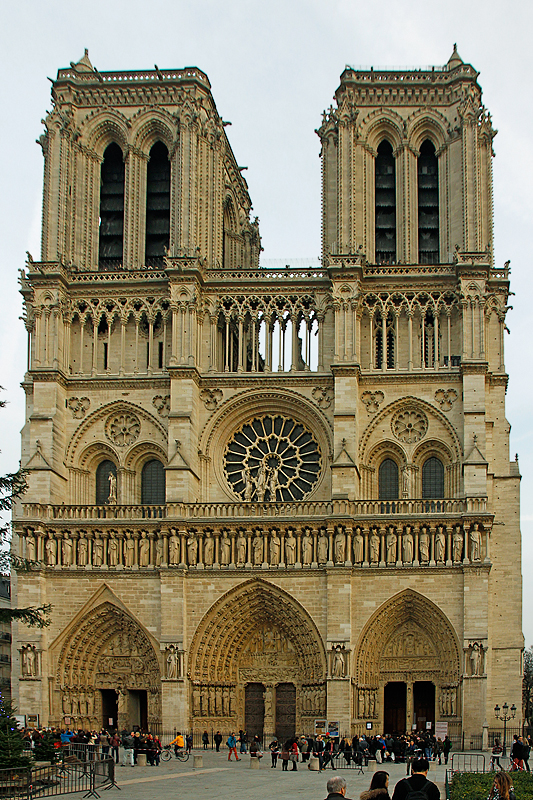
x: 358, y: 547
x: 66, y: 554
x: 158, y: 552
x: 290, y: 549
x: 51, y: 550
x: 424, y: 544
x: 307, y: 549
x: 30, y: 548
x: 338, y: 665
x: 406, y: 481
x: 340, y: 547
x: 218, y: 700
x: 322, y: 548
x: 112, y: 550
x: 130, y: 551
x: 29, y: 662
x: 225, y: 549
x: 407, y: 546
x: 258, y: 549
x: 476, y: 659
x: 174, y: 550
x: 144, y: 550
x: 475, y: 543
x: 98, y: 553
x: 261, y: 482
x: 275, y: 549
x: 374, y: 547
x: 82, y: 552
x: 391, y: 546
x: 66, y: 705
x: 209, y: 549
x: 172, y: 663
x: 273, y: 485
x: 192, y: 550
x: 90, y: 702
x: 457, y: 544
x: 241, y: 548
x: 372, y: 705
x: 112, y: 497
x: 440, y: 545
x: 248, y: 484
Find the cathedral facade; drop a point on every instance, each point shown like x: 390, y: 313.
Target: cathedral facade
x: 263, y: 497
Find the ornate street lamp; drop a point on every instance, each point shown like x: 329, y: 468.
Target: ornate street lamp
x: 504, y: 715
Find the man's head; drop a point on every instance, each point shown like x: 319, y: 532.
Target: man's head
x: 336, y: 785
x: 420, y: 765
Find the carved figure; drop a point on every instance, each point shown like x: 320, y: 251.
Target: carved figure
x: 209, y: 548
x: 66, y: 704
x: 158, y: 552
x: 275, y: 549
x: 174, y: 550
x: 29, y: 662
x: 476, y: 659
x: 391, y: 546
x: 424, y: 544
x: 112, y: 550
x: 307, y: 549
x: 290, y: 549
x: 144, y: 550
x: 241, y: 548
x: 407, y: 545
x: 358, y: 547
x: 66, y: 552
x: 130, y: 552
x: 406, y: 481
x: 374, y: 547
x: 457, y: 544
x: 248, y: 484
x: 340, y: 547
x: 261, y: 482
x: 112, y: 496
x: 98, y: 553
x: 51, y: 550
x: 90, y: 702
x: 440, y: 545
x: 338, y: 665
x: 322, y: 548
x: 192, y: 550
x: 372, y: 705
x: 257, y: 548
x: 30, y: 548
x: 475, y: 543
x: 82, y: 552
x: 273, y: 485
x: 225, y: 549
x: 172, y: 663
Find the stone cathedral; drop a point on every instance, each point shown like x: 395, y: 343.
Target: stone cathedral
x: 262, y: 497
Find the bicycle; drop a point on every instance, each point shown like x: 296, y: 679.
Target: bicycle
x: 166, y: 754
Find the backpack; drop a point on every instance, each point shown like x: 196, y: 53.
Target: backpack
x: 417, y: 794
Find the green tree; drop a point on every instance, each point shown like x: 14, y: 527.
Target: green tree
x: 12, y: 487
x: 527, y: 686
x: 11, y: 741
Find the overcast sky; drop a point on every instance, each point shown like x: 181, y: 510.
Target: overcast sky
x: 273, y: 67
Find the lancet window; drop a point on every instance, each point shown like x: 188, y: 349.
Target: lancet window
x: 111, y: 236
x: 385, y: 199
x: 153, y: 483
x: 157, y: 205
x: 388, y: 480
x: 428, y: 205
x: 433, y: 479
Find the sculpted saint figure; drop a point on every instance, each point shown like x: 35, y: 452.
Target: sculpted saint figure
x: 391, y: 546
x: 130, y: 551
x: 174, y: 550
x: 407, y: 545
x: 29, y: 662
x: 248, y: 484
x: 275, y: 548
x: 261, y: 482
x: 273, y: 485
x: 241, y: 548
x: 358, y: 547
x: 424, y: 544
x: 172, y: 664
x: 457, y: 544
x: 51, y: 551
x: 112, y: 497
x: 440, y: 545
x: 112, y: 549
x: 225, y: 549
x: 338, y: 663
x: 82, y: 552
x: 158, y: 552
x: 374, y: 547
x: 340, y: 547
x: 290, y: 549
x: 209, y: 547
x: 66, y: 547
x: 30, y: 548
x: 475, y: 543
x: 258, y: 549
x: 98, y: 553
x: 475, y: 659
x: 144, y: 550
x: 307, y: 548
x: 322, y: 548
x: 192, y: 550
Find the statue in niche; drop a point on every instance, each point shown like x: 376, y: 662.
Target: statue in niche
x: 209, y: 548
x: 322, y: 548
x: 218, y: 700
x: 66, y: 704
x: 406, y: 481
x: 112, y: 550
x: 82, y: 552
x: 172, y: 663
x: 90, y: 702
x: 338, y: 662
x: 371, y: 705
x: 158, y: 552
x: 273, y: 484
x: 225, y: 549
x: 51, y: 550
x: 241, y: 548
x: 275, y: 548
x: 440, y: 545
x: 29, y: 661
x: 407, y: 545
x: 475, y: 543
x: 248, y: 484
x: 290, y: 549
x: 476, y: 658
x: 267, y: 699
x: 66, y: 552
x: 225, y: 701
x: 458, y: 544
x: 197, y: 701
x: 30, y: 548
x: 452, y: 702
x: 130, y: 551
x: 358, y: 547
x: 340, y: 547
x: 374, y: 546
x: 174, y: 550
x: 257, y: 548
x: 192, y: 550
x: 98, y: 553
x: 112, y: 496
x: 261, y: 482
x: 424, y: 544
x: 391, y: 546
x: 307, y: 549
x: 144, y: 550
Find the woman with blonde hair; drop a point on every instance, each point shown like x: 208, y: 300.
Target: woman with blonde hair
x: 502, y: 788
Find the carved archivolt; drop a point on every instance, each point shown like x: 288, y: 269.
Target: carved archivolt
x: 408, y: 636
x: 229, y: 627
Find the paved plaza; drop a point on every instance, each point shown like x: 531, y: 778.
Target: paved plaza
x: 227, y: 780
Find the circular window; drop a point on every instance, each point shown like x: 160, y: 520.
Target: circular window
x: 272, y: 458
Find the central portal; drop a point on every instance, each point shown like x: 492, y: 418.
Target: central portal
x: 285, y: 711
x: 424, y: 705
x: 395, y: 707
x: 254, y: 709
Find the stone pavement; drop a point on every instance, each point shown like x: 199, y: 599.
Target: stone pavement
x: 228, y: 780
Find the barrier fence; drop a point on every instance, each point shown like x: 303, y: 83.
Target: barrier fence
x: 72, y: 774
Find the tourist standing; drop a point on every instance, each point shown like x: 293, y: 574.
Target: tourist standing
x: 232, y: 745
x: 217, y: 738
x: 417, y: 782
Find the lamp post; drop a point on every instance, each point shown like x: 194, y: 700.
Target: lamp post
x: 504, y: 715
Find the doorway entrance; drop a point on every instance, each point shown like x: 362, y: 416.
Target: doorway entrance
x: 109, y: 709
x: 285, y: 711
x: 395, y: 702
x: 138, y: 709
x: 424, y: 705
x: 254, y: 709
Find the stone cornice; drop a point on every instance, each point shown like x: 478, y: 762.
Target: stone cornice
x: 419, y: 376
x: 263, y: 379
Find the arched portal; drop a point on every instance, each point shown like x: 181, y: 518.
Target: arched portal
x: 255, y: 636
x: 107, y: 669
x: 408, y: 665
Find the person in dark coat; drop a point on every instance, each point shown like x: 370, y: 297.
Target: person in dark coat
x: 417, y: 781
x: 379, y: 787
x: 217, y: 738
x: 336, y: 788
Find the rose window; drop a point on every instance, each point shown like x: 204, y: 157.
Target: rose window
x: 409, y: 426
x: 272, y: 458
x: 123, y: 429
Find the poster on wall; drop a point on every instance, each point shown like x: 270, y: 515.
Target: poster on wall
x: 321, y: 727
x: 333, y: 729
x: 441, y: 730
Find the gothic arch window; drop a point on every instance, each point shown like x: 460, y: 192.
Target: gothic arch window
x: 111, y: 238
x: 153, y: 483
x: 157, y: 205
x: 385, y: 198
x: 428, y: 204
x: 390, y: 343
x: 433, y: 479
x: 103, y: 484
x: 388, y: 480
